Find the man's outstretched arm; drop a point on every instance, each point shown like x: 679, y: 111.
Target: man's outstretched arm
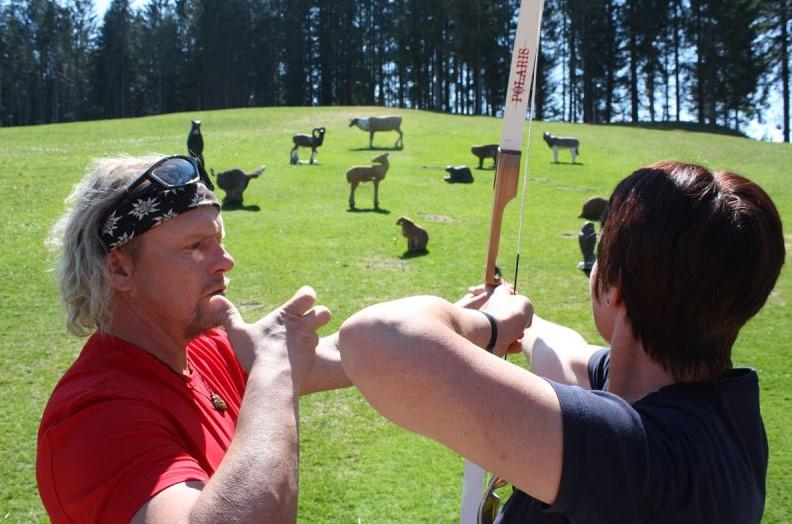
x: 420, y: 362
x: 258, y: 477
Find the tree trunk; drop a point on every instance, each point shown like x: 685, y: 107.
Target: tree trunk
x: 573, y: 80
x: 381, y: 52
x: 700, y: 110
x: 633, y: 78
x: 677, y: 95
x: 785, y: 64
x: 666, y: 87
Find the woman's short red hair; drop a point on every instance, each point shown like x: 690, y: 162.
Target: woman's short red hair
x: 694, y: 254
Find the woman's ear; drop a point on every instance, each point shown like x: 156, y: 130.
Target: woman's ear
x: 613, y: 296
x: 120, y: 266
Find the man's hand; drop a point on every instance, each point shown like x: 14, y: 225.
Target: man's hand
x: 289, y: 330
x: 257, y: 478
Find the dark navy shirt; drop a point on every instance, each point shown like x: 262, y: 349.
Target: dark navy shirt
x: 693, y: 452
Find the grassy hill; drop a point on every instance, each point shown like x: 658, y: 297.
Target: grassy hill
x: 295, y: 229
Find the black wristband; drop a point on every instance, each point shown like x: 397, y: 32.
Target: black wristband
x: 494, y: 332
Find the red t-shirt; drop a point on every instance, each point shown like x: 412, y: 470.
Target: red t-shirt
x: 121, y: 426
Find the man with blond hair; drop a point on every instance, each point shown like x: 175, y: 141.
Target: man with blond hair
x: 176, y: 410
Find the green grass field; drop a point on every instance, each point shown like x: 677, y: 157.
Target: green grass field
x: 295, y: 229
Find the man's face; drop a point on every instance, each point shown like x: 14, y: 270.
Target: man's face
x: 177, y: 267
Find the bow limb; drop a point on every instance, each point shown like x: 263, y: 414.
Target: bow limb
x: 520, y: 87
x: 506, y: 178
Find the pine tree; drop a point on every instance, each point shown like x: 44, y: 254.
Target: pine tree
x: 783, y: 43
x: 83, y: 33
x: 775, y: 15
x: 113, y: 62
x: 296, y: 51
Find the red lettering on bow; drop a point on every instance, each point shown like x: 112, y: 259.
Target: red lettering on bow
x: 521, y: 70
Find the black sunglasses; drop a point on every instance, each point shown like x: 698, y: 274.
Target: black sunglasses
x: 171, y: 172
x: 137, y: 205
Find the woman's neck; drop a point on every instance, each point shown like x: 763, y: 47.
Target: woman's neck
x: 633, y: 374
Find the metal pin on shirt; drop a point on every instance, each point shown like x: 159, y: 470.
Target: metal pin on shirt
x: 219, y: 403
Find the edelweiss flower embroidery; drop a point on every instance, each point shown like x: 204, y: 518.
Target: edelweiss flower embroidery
x: 162, y: 218
x: 196, y: 200
x: 141, y: 208
x: 123, y: 239
x: 110, y: 224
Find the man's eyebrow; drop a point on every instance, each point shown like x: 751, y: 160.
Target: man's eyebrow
x: 201, y: 233
x: 193, y: 236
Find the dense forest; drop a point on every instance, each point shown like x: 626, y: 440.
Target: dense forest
x: 711, y: 62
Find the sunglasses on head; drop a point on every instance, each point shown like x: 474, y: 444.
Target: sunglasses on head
x: 173, y: 185
x: 171, y: 172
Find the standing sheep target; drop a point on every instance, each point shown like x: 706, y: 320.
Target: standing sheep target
x: 375, y: 174
x: 486, y: 151
x: 562, y: 142
x: 314, y: 140
x: 373, y: 124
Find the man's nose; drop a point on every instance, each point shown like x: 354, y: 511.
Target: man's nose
x: 224, y: 261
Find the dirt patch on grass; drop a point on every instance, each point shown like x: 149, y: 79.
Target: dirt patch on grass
x: 384, y: 264
x: 439, y: 219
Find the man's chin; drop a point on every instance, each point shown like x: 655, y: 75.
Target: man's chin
x: 202, y: 323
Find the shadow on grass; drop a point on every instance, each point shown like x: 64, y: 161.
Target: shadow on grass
x: 376, y: 148
x: 241, y: 207
x: 491, y: 168
x: 369, y: 210
x: 567, y: 163
x: 414, y: 254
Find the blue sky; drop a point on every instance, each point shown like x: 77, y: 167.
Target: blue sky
x: 773, y: 129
